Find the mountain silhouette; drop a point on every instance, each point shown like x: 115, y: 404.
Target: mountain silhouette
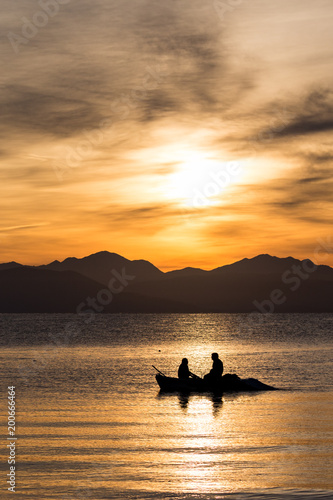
x: 29, y: 289
x: 266, y: 264
x: 115, y: 284
x: 98, y: 266
x: 242, y: 287
x: 9, y: 265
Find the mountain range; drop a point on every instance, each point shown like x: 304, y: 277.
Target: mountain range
x: 108, y: 282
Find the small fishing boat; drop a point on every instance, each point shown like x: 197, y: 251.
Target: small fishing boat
x: 227, y: 383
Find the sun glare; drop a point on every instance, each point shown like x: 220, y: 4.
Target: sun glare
x: 200, y: 181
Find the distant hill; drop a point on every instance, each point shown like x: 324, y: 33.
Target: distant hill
x: 266, y: 264
x: 9, y: 265
x: 99, y: 266
x: 244, y: 285
x: 29, y: 289
x: 263, y: 283
x: 188, y: 271
x: 26, y: 289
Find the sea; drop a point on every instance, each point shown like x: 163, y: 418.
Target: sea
x: 90, y: 422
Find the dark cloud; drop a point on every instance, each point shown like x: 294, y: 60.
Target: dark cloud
x: 148, y: 219
x: 229, y: 229
x: 156, y: 211
x: 314, y: 114
x: 309, y: 180
x: 278, y: 127
x: 146, y: 212
x: 58, y: 113
x: 307, y: 125
x: 158, y: 104
x: 91, y: 62
x: 303, y: 197
x: 192, y: 54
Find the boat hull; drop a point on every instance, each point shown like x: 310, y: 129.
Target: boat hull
x: 227, y: 383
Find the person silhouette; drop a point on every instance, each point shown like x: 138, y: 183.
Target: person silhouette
x: 217, y: 369
x: 183, y: 371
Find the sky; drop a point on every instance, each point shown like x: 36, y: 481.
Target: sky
x: 186, y: 133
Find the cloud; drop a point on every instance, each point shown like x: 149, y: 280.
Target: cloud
x: 20, y: 228
x: 43, y: 111
x: 307, y: 125
x: 312, y: 115
x: 154, y: 215
x: 301, y: 196
x: 91, y: 62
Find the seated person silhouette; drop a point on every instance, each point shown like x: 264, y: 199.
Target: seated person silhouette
x: 183, y: 371
x: 215, y: 373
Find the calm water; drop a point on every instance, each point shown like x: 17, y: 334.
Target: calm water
x: 91, y: 423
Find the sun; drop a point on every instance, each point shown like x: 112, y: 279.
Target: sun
x: 199, y: 180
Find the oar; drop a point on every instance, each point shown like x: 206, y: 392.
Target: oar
x: 158, y: 371
x: 195, y: 376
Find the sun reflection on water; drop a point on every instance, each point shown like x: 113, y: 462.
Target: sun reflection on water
x: 204, y: 452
